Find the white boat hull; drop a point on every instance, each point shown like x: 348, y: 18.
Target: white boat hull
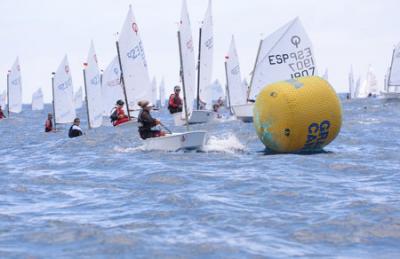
x: 191, y: 140
x: 197, y: 116
x: 391, y: 95
x: 244, y: 112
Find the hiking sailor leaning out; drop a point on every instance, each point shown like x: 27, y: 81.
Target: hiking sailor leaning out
x: 118, y: 115
x: 75, y: 130
x: 175, y: 102
x: 147, y: 122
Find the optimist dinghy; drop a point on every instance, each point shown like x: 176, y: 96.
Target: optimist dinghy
x: 190, y: 140
x: 392, y: 87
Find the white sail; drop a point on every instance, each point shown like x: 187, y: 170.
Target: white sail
x: 358, y: 88
x: 236, y: 94
x: 372, y: 87
x: 188, y: 60
x: 394, y: 75
x: 15, y: 88
x: 326, y: 75
x: 3, y: 99
x: 63, y: 94
x: 37, y: 100
x: 206, y: 56
x: 285, y: 54
x: 162, y: 93
x: 93, y: 89
x: 111, y: 87
x: 134, y: 65
x: 154, y: 97
x: 78, y: 98
x: 217, y: 91
x: 351, y: 84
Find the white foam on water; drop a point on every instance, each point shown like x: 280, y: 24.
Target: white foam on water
x: 226, y: 144
x: 129, y: 149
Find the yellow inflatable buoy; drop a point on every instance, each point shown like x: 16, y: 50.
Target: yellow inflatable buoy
x: 297, y: 115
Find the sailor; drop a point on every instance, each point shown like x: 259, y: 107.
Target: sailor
x: 118, y: 115
x: 175, y: 102
x: 75, y: 130
x: 2, y: 116
x: 48, y: 126
x: 146, y: 122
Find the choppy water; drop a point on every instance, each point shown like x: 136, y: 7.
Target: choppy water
x: 102, y: 196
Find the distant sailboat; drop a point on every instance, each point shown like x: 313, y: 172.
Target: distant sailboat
x: 14, y: 89
x: 78, y: 99
x: 63, y: 94
x: 162, y: 93
x: 352, y: 86
x: 369, y: 87
x: 235, y: 91
x: 188, y: 75
x: 91, y: 75
x: 37, y: 100
x: 392, y: 88
x: 111, y: 87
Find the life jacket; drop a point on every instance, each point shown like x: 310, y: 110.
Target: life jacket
x: 173, y: 103
x: 48, y: 126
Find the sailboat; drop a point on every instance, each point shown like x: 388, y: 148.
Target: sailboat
x: 78, y: 98
x: 188, y: 72
x: 14, y: 89
x: 392, y: 87
x: 63, y: 94
x: 285, y: 54
x: 162, y: 93
x: 352, y: 86
x: 369, y: 87
x: 235, y: 90
x: 37, y: 100
x: 136, y: 85
x: 111, y: 87
x: 92, y: 82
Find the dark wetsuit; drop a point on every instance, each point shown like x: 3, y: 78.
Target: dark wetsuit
x: 174, y: 104
x: 48, y: 126
x: 74, y: 131
x: 146, y: 122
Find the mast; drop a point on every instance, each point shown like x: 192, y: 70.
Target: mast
x: 8, y: 93
x: 390, y: 71
x: 227, y: 87
x: 183, y: 80
x: 198, y: 73
x: 86, y: 96
x: 52, y: 91
x: 254, y: 69
x: 123, y: 80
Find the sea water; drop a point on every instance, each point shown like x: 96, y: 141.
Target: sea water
x: 102, y: 195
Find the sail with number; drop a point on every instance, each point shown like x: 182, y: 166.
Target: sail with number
x: 133, y: 61
x: 188, y: 67
x: 206, y: 49
x: 234, y: 79
x: 15, y: 88
x: 78, y: 98
x: 93, y: 89
x: 162, y: 93
x: 111, y: 86
x: 287, y: 53
x: 63, y: 94
x: 37, y: 100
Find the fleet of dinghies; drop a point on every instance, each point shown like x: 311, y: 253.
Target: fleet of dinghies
x: 285, y: 54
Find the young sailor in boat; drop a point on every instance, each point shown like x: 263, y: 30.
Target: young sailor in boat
x: 146, y: 122
x: 48, y: 126
x: 75, y: 130
x: 2, y: 116
x: 118, y: 116
x: 175, y: 102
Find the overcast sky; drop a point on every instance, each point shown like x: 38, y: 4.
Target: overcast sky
x: 41, y: 32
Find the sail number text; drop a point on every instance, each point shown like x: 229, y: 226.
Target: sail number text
x: 301, y: 62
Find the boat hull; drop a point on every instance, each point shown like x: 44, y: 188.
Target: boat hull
x: 197, y: 117
x: 244, y: 112
x: 391, y: 95
x: 191, y: 140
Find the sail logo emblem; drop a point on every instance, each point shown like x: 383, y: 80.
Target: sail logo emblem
x: 189, y: 44
x: 18, y: 68
x: 116, y: 70
x: 65, y: 85
x: 209, y: 43
x: 295, y: 40
x: 16, y: 81
x: 235, y: 70
x: 135, y: 28
x: 95, y: 58
x: 67, y: 69
x: 95, y: 80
